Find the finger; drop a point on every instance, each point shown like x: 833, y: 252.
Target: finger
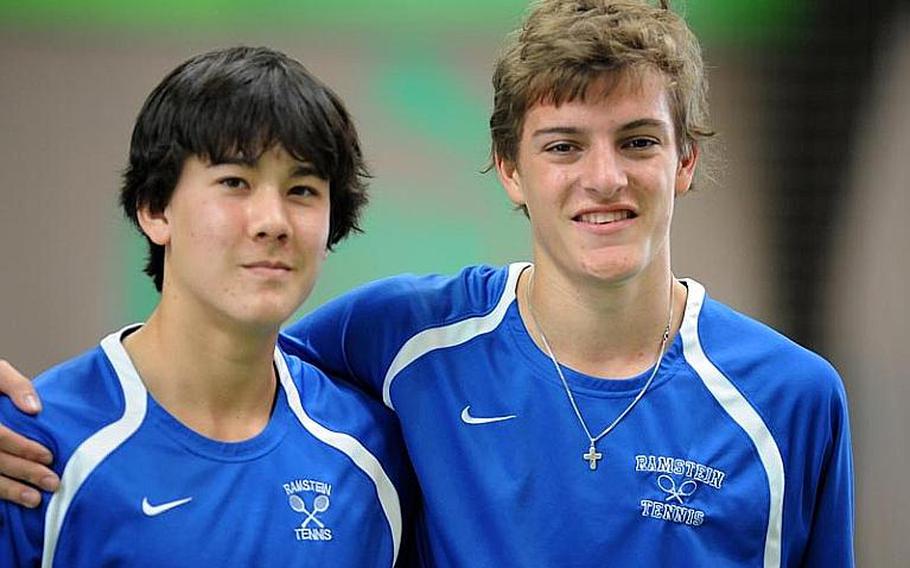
x: 19, y: 493
x: 16, y: 386
x: 15, y: 469
x: 17, y: 445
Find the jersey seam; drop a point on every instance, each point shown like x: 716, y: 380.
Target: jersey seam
x: 747, y: 398
x: 754, y: 450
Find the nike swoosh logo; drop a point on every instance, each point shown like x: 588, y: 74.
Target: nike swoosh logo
x: 468, y: 419
x: 154, y: 510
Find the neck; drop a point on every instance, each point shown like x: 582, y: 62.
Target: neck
x: 603, y: 330
x: 214, y: 379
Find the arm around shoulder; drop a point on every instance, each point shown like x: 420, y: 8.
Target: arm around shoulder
x: 355, y: 336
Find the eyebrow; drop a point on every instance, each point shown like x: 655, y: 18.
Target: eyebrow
x: 644, y: 122
x: 574, y: 130
x: 556, y: 130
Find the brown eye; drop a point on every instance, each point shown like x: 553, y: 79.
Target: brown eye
x: 561, y: 148
x: 303, y: 190
x: 233, y: 182
x: 640, y: 143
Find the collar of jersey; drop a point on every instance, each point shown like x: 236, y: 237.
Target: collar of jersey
x: 206, y: 447
x: 581, y: 383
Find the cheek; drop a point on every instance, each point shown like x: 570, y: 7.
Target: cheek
x: 216, y: 228
x: 312, y: 230
x: 324, y: 227
x: 213, y: 233
x: 550, y: 185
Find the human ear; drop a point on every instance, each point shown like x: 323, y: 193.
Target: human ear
x: 155, y: 225
x: 685, y: 169
x: 510, y: 178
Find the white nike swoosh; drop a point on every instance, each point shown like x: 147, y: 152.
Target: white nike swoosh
x: 468, y: 419
x: 153, y: 510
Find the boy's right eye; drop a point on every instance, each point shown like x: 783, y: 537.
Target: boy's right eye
x: 561, y: 148
x: 233, y: 182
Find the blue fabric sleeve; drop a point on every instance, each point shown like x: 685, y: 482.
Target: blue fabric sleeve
x: 831, y: 537
x: 356, y: 336
x: 344, y: 337
x: 22, y: 529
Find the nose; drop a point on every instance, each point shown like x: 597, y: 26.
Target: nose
x: 268, y: 215
x: 603, y: 171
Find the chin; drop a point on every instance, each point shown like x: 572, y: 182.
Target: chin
x: 264, y: 317
x: 275, y: 304
x: 610, y: 268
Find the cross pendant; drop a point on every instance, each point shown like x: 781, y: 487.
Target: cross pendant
x: 592, y: 456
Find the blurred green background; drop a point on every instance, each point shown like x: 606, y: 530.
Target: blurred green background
x: 418, y: 83
x: 712, y: 19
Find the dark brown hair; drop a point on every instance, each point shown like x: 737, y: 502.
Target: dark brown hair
x: 241, y: 101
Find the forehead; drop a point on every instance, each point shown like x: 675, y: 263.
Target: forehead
x: 612, y: 100
x: 251, y: 149
x: 276, y: 151
x: 275, y: 158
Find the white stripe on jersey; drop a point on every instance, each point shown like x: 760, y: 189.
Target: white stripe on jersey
x: 742, y: 412
x: 452, y: 334
x: 351, y: 447
x: 99, y: 445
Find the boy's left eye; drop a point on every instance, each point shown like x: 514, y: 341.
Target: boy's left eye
x: 561, y: 148
x: 233, y: 182
x: 303, y: 190
x: 640, y: 143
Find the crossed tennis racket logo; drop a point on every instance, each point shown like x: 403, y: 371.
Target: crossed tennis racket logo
x: 684, y: 490
x: 320, y: 505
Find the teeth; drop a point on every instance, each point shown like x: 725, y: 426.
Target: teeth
x: 602, y: 218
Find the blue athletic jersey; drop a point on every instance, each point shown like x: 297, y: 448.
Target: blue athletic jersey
x: 315, y: 488
x: 738, y: 455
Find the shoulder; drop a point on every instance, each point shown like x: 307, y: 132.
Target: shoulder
x: 79, y: 397
x: 86, y: 380
x: 761, y: 360
x: 359, y: 335
x: 433, y: 298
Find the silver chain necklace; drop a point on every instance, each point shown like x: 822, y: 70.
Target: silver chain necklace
x: 592, y: 455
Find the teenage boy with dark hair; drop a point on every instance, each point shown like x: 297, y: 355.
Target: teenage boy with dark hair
x: 192, y: 439
x: 590, y: 408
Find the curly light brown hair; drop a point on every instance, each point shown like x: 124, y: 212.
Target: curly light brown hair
x: 564, y: 46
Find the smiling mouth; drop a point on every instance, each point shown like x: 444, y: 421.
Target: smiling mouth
x: 604, y: 217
